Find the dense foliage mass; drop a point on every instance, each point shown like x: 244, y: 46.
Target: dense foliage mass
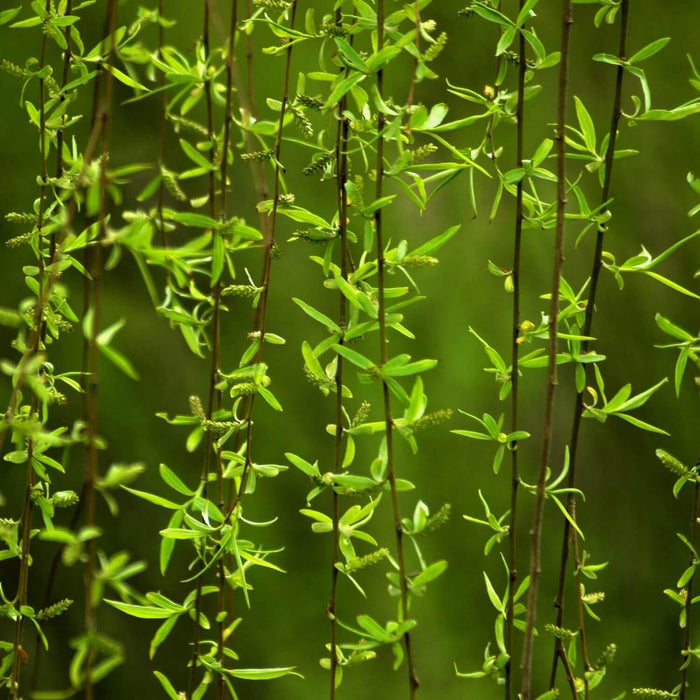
x: 200, y: 224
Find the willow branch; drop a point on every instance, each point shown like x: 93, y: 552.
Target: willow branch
x: 60, y: 138
x: 212, y: 395
x: 260, y: 321
x: 45, y: 290
x: 547, y: 427
x: 687, y: 642
x: 341, y: 159
x: 163, y: 130
x: 597, y: 263
x: 515, y: 378
x: 414, y: 75
x: 26, y: 518
x: 91, y: 467
x: 388, y: 419
x: 228, y: 119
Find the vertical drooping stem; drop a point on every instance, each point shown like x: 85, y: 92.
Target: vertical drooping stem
x: 341, y: 159
x: 489, y: 128
x: 60, y: 139
x: 163, y: 126
x: 384, y: 356
x: 515, y: 379
x: 687, y: 642
x: 213, y: 396
x: 547, y: 425
x: 209, y: 108
x: 45, y: 289
x: 569, y: 534
x: 416, y: 63
x: 26, y: 517
x: 222, y: 605
x: 91, y: 467
x: 260, y: 321
x: 258, y: 169
x: 230, y: 62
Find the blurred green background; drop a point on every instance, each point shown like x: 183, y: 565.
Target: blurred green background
x: 630, y: 517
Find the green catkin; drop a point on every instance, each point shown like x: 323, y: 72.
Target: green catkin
x: 23, y: 217
x: 653, y: 694
x: 272, y: 4
x: 241, y: 290
x: 430, y: 420
x: 367, y: 560
x: 185, y: 124
x: 54, y: 610
x: 302, y: 121
x: 330, y: 29
x: 21, y: 239
x: 319, y: 164
x: 315, y: 103
x: 259, y: 156
x: 361, y: 414
x: 435, y: 49
x: 438, y: 519
x: 560, y: 632
x: 314, y: 236
x: 607, y: 657
x: 672, y: 464
x: 414, y: 261
x: 64, y: 499
x: 172, y: 185
x: 422, y: 153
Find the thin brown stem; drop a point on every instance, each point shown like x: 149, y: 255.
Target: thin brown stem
x: 414, y: 75
x: 222, y: 603
x: 92, y: 464
x: 260, y: 321
x: 687, y: 642
x: 582, y: 631
x: 568, y: 532
x: 251, y: 108
x: 25, y: 523
x: 213, y: 395
x: 547, y: 426
x: 341, y: 159
x: 45, y: 290
x: 515, y: 378
x: 384, y: 356
x: 163, y: 130
x: 489, y: 128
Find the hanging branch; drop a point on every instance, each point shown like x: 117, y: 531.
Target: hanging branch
x: 341, y: 159
x: 25, y: 522
x: 163, y: 129
x: 249, y: 106
x: 515, y: 380
x: 45, y: 290
x: 547, y: 427
x: 489, y: 128
x: 60, y: 136
x: 687, y: 643
x: 213, y: 395
x: 225, y: 609
x: 381, y: 264
x: 260, y: 321
x: 570, y: 535
x: 91, y: 467
x: 416, y: 64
